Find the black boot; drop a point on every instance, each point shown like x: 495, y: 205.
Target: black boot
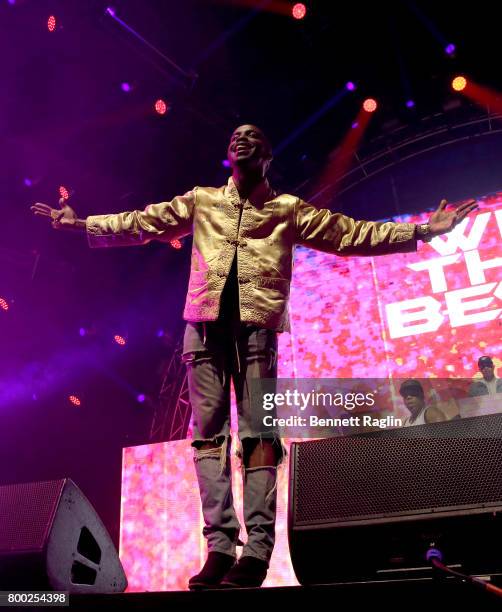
x: 248, y: 572
x: 216, y: 566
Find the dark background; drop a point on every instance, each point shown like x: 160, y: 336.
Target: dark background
x: 64, y: 120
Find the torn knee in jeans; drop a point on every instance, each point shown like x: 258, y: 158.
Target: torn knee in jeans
x: 215, y: 448
x: 261, y: 452
x: 282, y: 451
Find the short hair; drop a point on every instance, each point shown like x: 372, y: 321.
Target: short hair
x: 485, y: 361
x: 411, y: 386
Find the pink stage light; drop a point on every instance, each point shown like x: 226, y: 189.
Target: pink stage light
x: 51, y: 23
x: 119, y: 340
x: 299, y: 10
x: 176, y: 244
x: 161, y: 107
x: 4, y: 305
x: 74, y: 400
x: 64, y: 193
x: 370, y: 105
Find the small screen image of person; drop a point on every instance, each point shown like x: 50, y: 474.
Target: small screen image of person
x: 489, y: 384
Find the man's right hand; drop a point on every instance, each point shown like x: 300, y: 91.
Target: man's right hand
x: 66, y: 218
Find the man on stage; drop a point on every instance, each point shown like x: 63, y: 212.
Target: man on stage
x: 244, y: 235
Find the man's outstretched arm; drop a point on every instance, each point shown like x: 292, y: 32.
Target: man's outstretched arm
x: 331, y: 232
x: 164, y: 221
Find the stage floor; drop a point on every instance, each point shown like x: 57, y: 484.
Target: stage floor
x: 386, y: 595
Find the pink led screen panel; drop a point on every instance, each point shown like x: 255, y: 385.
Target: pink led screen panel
x: 426, y: 314
x: 161, y: 543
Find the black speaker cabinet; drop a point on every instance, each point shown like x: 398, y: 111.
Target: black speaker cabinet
x: 369, y: 507
x: 52, y: 539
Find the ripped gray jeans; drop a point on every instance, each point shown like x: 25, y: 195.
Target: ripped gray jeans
x: 215, y: 353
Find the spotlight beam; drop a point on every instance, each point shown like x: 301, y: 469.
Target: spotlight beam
x: 121, y: 382
x: 231, y: 31
x: 190, y: 76
x: 429, y: 25
x: 403, y: 72
x: 483, y: 96
x: 310, y: 121
x: 342, y: 157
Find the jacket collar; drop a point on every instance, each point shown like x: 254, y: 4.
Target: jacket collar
x: 261, y: 194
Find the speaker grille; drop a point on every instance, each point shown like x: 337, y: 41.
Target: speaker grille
x: 415, y: 470
x: 26, y: 514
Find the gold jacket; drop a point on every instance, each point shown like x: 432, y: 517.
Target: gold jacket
x: 264, y: 241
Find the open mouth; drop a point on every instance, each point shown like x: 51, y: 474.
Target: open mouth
x: 242, y: 147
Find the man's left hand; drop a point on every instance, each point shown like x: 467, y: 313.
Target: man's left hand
x: 443, y: 221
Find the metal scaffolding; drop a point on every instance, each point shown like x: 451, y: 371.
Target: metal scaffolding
x: 172, y: 411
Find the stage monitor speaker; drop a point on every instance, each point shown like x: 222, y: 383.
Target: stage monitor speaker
x: 369, y: 507
x: 52, y: 539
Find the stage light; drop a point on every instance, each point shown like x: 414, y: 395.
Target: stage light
x: 74, y: 400
x: 459, y: 83
x: 410, y: 104
x: 355, y: 125
x: 4, y: 305
x: 350, y: 86
x: 141, y: 398
x: 225, y: 163
x: 176, y: 244
x: 161, y: 107
x: 63, y: 192
x: 370, y: 105
x: 51, y: 23
x: 28, y: 182
x: 126, y: 87
x: 299, y: 10
x: 450, y: 49
x: 111, y: 11
x: 119, y: 340
x: 82, y: 331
